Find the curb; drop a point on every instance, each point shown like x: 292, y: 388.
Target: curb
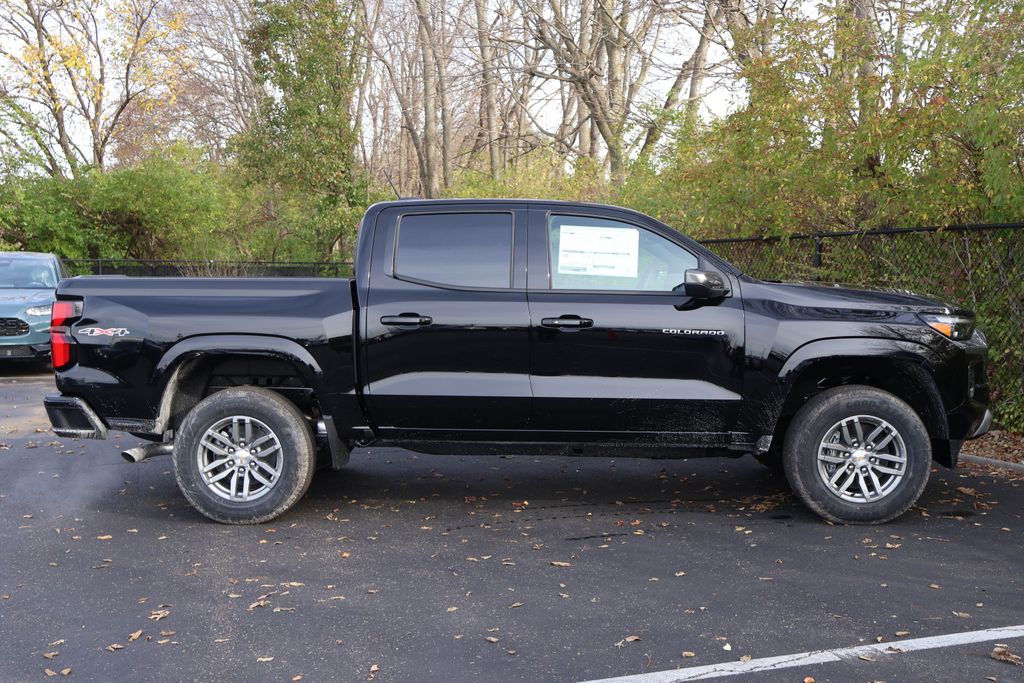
x: 979, y: 460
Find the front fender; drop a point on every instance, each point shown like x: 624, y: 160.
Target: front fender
x: 851, y: 347
x: 901, y: 366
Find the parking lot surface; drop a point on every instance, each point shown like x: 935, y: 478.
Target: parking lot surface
x: 407, y: 567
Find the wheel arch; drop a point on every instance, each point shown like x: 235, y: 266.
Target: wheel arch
x: 184, y: 372
x: 898, y: 367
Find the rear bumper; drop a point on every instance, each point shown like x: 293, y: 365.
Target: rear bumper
x: 73, y: 418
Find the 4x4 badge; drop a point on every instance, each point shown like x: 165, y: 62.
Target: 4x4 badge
x: 103, y: 331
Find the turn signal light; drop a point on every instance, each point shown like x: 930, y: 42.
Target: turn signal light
x: 957, y: 327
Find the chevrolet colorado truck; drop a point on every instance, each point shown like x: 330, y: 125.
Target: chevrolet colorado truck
x: 515, y: 326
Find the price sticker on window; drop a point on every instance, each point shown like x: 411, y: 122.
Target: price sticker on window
x: 591, y: 250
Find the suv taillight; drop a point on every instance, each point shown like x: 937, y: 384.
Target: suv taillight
x: 61, y: 342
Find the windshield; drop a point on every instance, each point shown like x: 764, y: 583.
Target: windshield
x: 16, y: 273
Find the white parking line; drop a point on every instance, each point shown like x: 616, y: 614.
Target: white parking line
x: 697, y: 673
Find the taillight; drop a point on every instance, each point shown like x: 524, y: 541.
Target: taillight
x: 61, y: 342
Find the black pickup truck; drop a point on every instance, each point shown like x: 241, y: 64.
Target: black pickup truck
x: 507, y: 326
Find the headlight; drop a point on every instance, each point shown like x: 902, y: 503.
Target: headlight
x: 39, y: 310
x: 953, y: 326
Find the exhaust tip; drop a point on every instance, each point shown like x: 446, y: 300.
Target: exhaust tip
x: 133, y: 454
x: 140, y: 453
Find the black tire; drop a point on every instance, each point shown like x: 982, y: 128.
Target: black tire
x: 295, y: 458
x: 818, y: 419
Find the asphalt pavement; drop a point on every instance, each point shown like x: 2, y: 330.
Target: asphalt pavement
x: 408, y: 567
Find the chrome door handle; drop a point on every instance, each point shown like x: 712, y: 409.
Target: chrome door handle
x: 571, y: 321
x: 406, y: 320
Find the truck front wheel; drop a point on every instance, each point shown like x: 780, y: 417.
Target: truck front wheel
x: 857, y: 455
x: 244, y: 455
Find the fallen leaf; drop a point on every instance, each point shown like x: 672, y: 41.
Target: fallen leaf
x: 491, y: 639
x: 935, y: 586
x: 727, y: 647
x: 50, y: 655
x: 1002, y: 653
x: 374, y: 668
x: 105, y: 537
x: 515, y: 604
x: 962, y: 615
x: 745, y: 658
x: 264, y: 659
x: 902, y: 633
x: 66, y: 671
x: 49, y: 672
x: 452, y: 609
x: 158, y: 614
x: 687, y: 653
x: 113, y: 647
x: 134, y: 635
x: 808, y: 679
x: 558, y: 563
x: 297, y: 677
x: 866, y: 658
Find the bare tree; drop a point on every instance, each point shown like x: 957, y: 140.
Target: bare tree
x: 71, y: 71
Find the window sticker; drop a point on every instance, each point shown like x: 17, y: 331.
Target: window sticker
x: 590, y: 250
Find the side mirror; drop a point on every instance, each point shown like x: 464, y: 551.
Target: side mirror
x: 704, y: 284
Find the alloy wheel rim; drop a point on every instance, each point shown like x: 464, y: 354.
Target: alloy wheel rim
x: 240, y: 459
x: 862, y: 459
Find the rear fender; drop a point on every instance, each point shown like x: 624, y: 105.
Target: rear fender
x: 172, y: 374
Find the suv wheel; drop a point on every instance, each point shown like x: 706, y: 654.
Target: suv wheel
x: 244, y: 455
x: 858, y: 455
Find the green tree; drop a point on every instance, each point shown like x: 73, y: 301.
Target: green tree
x: 304, y: 141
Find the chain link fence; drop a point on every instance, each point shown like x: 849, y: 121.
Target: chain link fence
x: 977, y: 266
x: 170, y: 268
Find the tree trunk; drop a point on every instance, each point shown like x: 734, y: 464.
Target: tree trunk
x: 490, y: 97
x: 430, y: 181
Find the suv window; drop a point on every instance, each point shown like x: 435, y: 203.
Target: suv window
x: 458, y: 249
x: 602, y: 254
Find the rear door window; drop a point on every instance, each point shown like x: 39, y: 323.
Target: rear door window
x: 471, y: 250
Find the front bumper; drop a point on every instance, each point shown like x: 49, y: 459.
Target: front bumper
x: 19, y: 349
x: 33, y: 344
x: 72, y: 417
x: 986, y: 424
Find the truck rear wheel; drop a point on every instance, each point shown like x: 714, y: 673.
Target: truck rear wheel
x: 858, y: 455
x: 244, y: 455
